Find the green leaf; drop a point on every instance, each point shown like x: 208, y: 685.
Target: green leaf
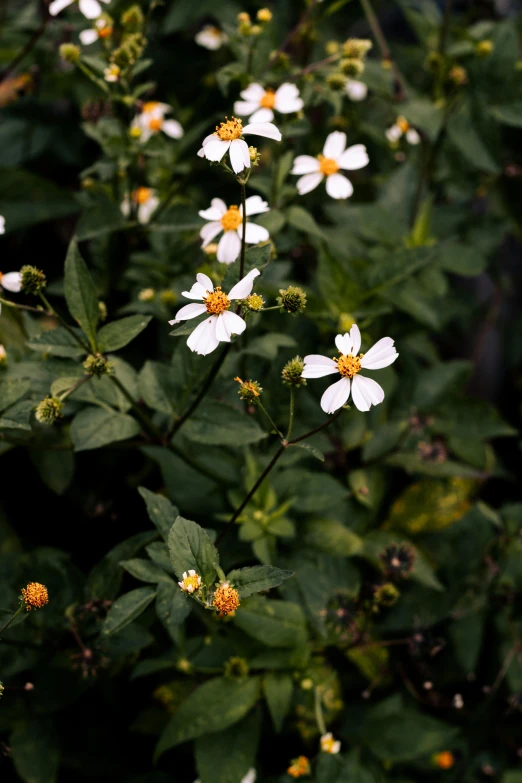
x: 462, y: 133
x: 509, y: 114
x: 311, y: 450
x: 93, y: 428
x: 467, y: 635
x: 332, y: 537
x: 424, y: 115
x: 435, y: 383
x: 158, y: 388
x: 127, y: 608
x: 80, y: 293
x: 248, y: 581
x: 191, y: 548
x: 383, y: 439
x: 12, y: 390
x: 406, y: 735
x: 120, y: 333
x: 35, y: 751
x: 214, y: 706
x: 173, y: 607
x: 267, y: 346
x: 302, y: 219
x: 26, y: 199
x: 278, y: 688
x: 160, y: 510
x: 461, y: 259
x: 101, y: 216
x: 221, y: 424
x: 57, y: 342
x: 226, y: 756
x: 395, y: 267
x: 144, y: 570
x: 274, y: 623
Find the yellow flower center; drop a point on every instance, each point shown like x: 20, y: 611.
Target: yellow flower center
x: 216, y: 301
x: 299, y: 767
x: 141, y: 195
x: 105, y: 32
x: 226, y: 599
x: 149, y: 106
x: 35, y: 596
x: 231, y: 219
x: 268, y: 100
x: 403, y: 124
x: 229, y: 130
x: 191, y: 583
x: 349, y: 365
x: 327, y: 744
x: 155, y: 124
x: 327, y: 166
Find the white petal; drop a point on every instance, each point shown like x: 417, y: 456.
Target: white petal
x: 245, y: 108
x: 88, y: 37
x: 381, y: 346
x: 203, y: 339
x: 254, y: 206
x: 383, y: 360
x: 2, y: 224
x: 262, y: 115
x: 334, y: 145
x: 237, y: 155
x: 12, y: 281
x: 356, y: 91
x: 172, y: 128
x: 209, y: 37
x: 316, y: 358
x: 146, y: 210
x: 229, y: 247
x: 209, y: 138
x: 58, y: 5
x: 336, y: 396
x: 305, y: 164
x: 355, y: 339
x: 209, y: 231
x: 337, y: 186
x: 343, y: 343
x: 366, y: 392
x: 229, y: 323
x: 205, y: 281
x: 254, y: 233
x: 215, y: 149
x: 354, y: 157
x: 287, y: 100
x: 197, y: 291
x: 253, y: 93
x: 216, y: 210
x: 244, y: 287
x: 91, y: 9
x: 393, y: 134
x: 412, y: 137
x: 190, y: 311
x: 319, y: 370
x: 263, y: 129
x: 308, y: 182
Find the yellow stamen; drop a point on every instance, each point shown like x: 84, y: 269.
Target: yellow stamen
x: 268, y: 100
x: 226, y: 599
x: 155, y: 124
x: 216, y: 301
x: 150, y: 106
x: 327, y: 166
x: 349, y: 365
x: 232, y: 219
x: 105, y: 32
x: 141, y: 195
x: 403, y: 124
x: 191, y: 583
x: 35, y: 596
x: 229, y: 130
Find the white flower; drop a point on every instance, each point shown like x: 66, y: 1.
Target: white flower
x: 250, y: 777
x: 146, y: 201
x: 334, y: 157
x: 329, y: 745
x: 365, y: 391
x: 211, y: 37
x: 257, y: 103
x: 230, y: 221
x: 151, y: 120
x: 112, y: 73
x: 227, y: 138
x: 402, y: 128
x: 222, y: 323
x: 356, y: 91
x: 101, y: 29
x: 2, y: 224
x: 91, y: 9
x: 191, y: 581
x: 11, y: 281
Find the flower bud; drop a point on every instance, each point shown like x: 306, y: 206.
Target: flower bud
x: 254, y: 156
x: 434, y: 60
x: 336, y: 81
x: 345, y: 323
x: 386, y: 595
x: 264, y: 15
x: 299, y: 767
x: 255, y: 302
x: 484, y: 48
x: 236, y: 668
x: 256, y: 29
x: 351, y: 66
x: 211, y: 249
x: 70, y: 53
x: 184, y: 665
x: 332, y: 47
x: 292, y: 299
x: 356, y: 47
x: 458, y: 75
x: 102, y: 307
x: 168, y: 297
x: 97, y: 364
x: 248, y: 390
x: 291, y: 372
x: 133, y: 19
x: 146, y: 295
x: 33, y: 280
x: 49, y: 410
x: 135, y: 132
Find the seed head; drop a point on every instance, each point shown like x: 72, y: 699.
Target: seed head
x: 70, y: 53
x: 49, y: 410
x: 34, y: 596
x: 226, y: 599
x: 292, y: 299
x: 249, y: 390
x: 292, y: 371
x: 132, y: 19
x: 236, y: 668
x: 386, y: 595
x: 356, y: 47
x: 33, y: 280
x: 97, y: 364
x: 336, y: 81
x: 351, y: 66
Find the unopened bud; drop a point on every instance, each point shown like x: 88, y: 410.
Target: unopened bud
x: 264, y: 15
x: 292, y: 299
x: 70, y: 53
x: 49, y: 410
x: 133, y: 19
x: 33, y: 280
x: 356, y: 47
x: 97, y: 364
x: 291, y: 372
x: 484, y: 48
x: 336, y: 81
x: 255, y: 302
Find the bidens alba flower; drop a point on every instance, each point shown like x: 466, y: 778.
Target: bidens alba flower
x: 228, y: 138
x: 191, y: 581
x: 402, y: 128
x: 355, y: 90
x: 222, y: 323
x: 365, y: 391
x: 335, y: 156
x: 152, y: 120
x: 145, y: 202
x: 211, y: 37
x: 91, y: 9
x: 230, y: 221
x: 102, y: 29
x: 11, y: 281
x: 257, y: 103
x: 329, y: 745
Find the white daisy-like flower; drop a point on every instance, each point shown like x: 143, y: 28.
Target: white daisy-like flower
x: 228, y: 138
x: 146, y: 201
x: 355, y: 90
x: 335, y: 156
x: 365, y: 391
x: 329, y: 745
x: 112, y: 73
x: 257, y: 103
x: 222, y: 323
x: 151, y: 120
x: 191, y: 581
x: 211, y: 37
x: 229, y: 220
x: 91, y: 9
x: 11, y: 281
x: 102, y: 29
x: 2, y: 224
x: 401, y: 128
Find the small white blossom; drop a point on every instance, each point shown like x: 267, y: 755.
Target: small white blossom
x: 402, y: 128
x: 365, y: 391
x: 112, y: 73
x: 355, y: 90
x: 211, y: 37
x: 101, y: 29
x: 228, y: 138
x: 91, y: 9
x: 191, y: 581
x: 222, y: 323
x: 151, y: 120
x: 329, y: 745
x: 145, y: 200
x: 335, y: 156
x: 257, y: 103
x: 229, y: 220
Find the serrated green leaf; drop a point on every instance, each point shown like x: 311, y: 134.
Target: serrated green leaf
x: 226, y: 756
x: 221, y: 424
x: 278, y: 688
x: 144, y: 570
x: 274, y: 623
x: 80, y: 293
x: 93, y: 428
x: 173, y: 607
x: 160, y: 510
x: 255, y: 579
x: 120, y: 333
x: 190, y: 548
x: 127, y: 608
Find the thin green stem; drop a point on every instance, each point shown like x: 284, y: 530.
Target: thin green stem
x: 371, y: 18
x: 17, y: 306
x: 64, y: 323
x: 292, y: 411
x: 270, y: 419
x: 8, y: 623
x: 77, y: 385
x: 243, y: 233
x: 319, y: 718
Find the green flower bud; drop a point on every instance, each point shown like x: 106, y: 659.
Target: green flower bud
x: 249, y: 390
x: 168, y: 297
x: 484, y: 48
x: 292, y: 299
x: 336, y: 81
x: 70, y: 53
x: 97, y: 364
x: 133, y: 19
x: 254, y: 156
x: 102, y: 307
x: 331, y: 47
x: 386, y: 595
x: 255, y: 302
x: 236, y: 667
x: 356, y: 47
x: 351, y: 66
x: 33, y: 280
x: 49, y: 410
x: 291, y: 373
x: 129, y: 51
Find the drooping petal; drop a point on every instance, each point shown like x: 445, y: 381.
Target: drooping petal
x: 205, y: 281
x: 337, y: 186
x: 216, y: 210
x: 253, y: 93
x: 334, y: 145
x: 366, y: 392
x: 88, y: 37
x: 266, y: 129
x: 355, y: 338
x: 317, y: 358
x: 190, y: 311
x: 229, y: 247
x: 215, y: 149
x: 254, y: 233
x: 91, y: 9
x: 319, y: 370
x: 237, y: 155
x: 203, y: 339
x: 12, y: 281
x: 356, y: 91
x: 209, y: 231
x: 343, y: 343
x: 305, y: 164
x: 383, y: 346
x: 245, y: 108
x: 172, y: 128
x: 308, y: 182
x: 200, y: 287
x: 254, y: 206
x: 244, y: 287
x: 146, y: 209
x: 262, y: 115
x: 336, y: 396
x: 412, y: 137
x: 58, y: 5
x: 354, y: 157
x: 287, y: 100
x: 229, y: 323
